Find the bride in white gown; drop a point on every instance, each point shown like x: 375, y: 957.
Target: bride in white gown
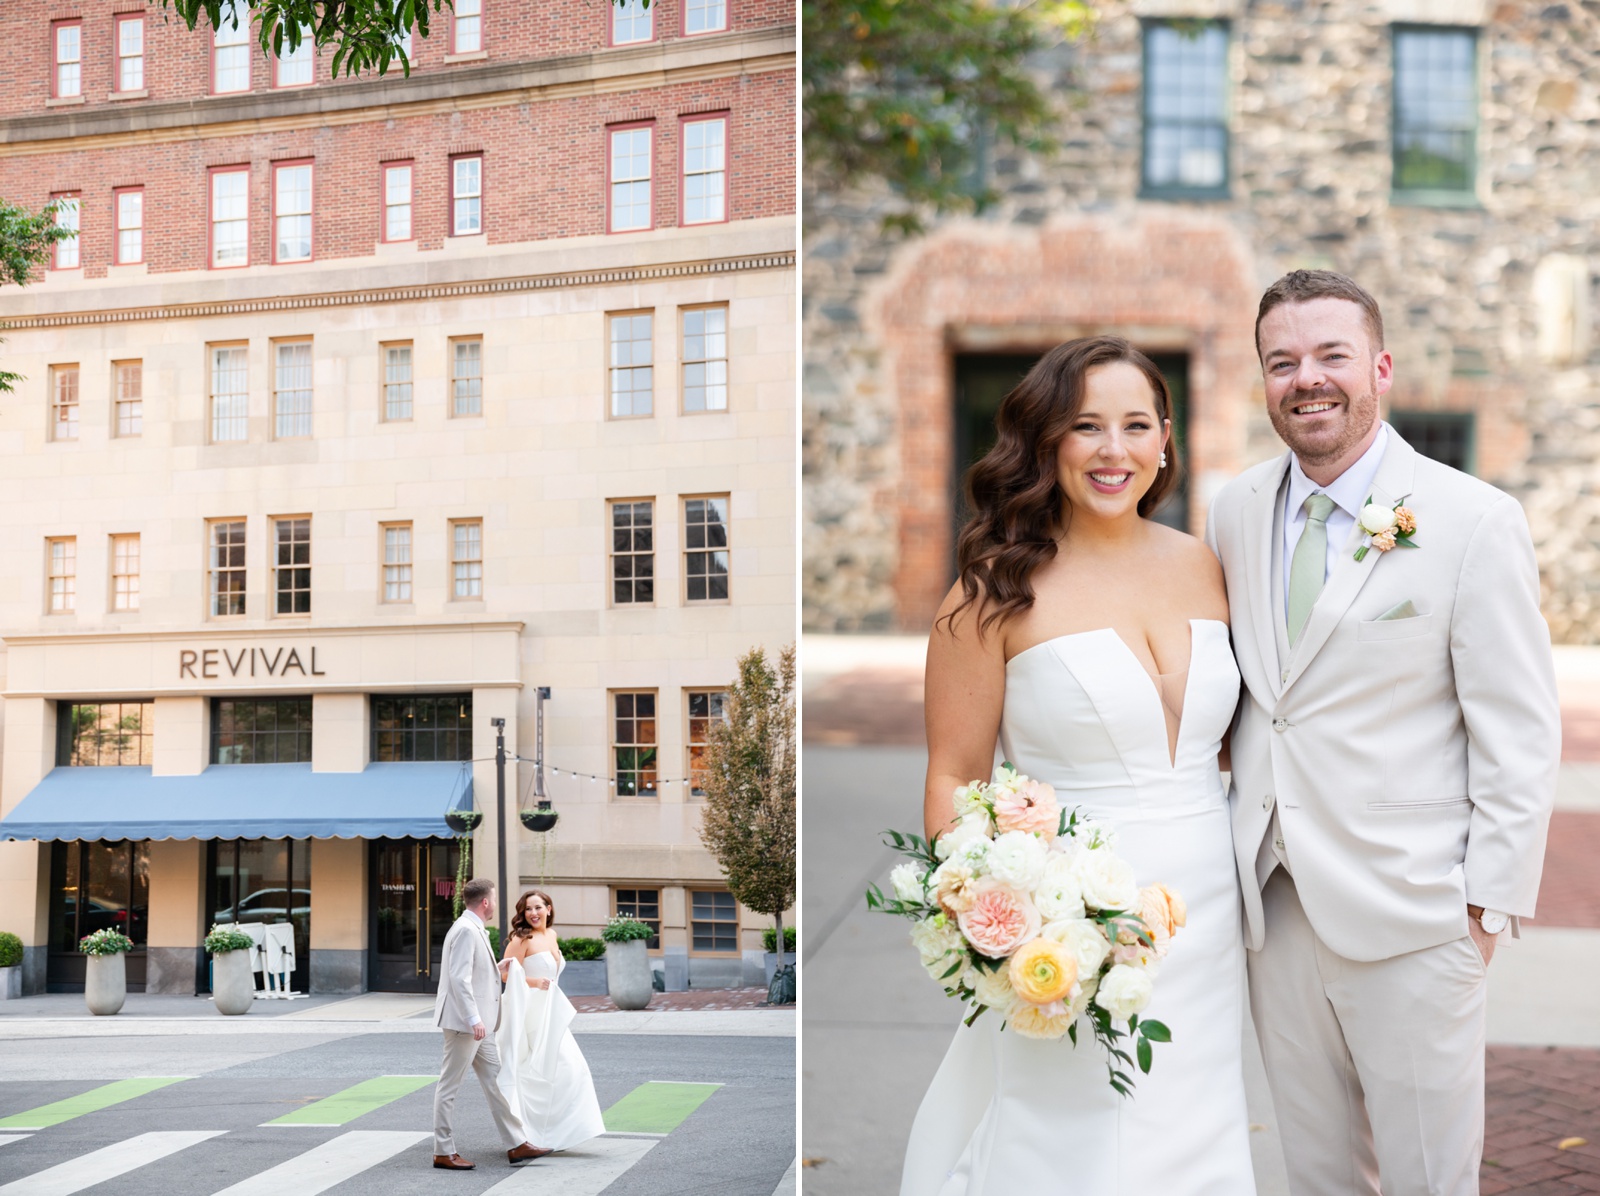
x: 1091, y: 645
x: 542, y: 1071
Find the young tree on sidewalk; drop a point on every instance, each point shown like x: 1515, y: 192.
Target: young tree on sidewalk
x: 750, y: 775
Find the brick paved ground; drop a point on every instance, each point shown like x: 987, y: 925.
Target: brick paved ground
x: 1542, y: 1122
x: 701, y: 998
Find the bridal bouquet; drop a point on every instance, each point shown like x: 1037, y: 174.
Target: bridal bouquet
x: 1027, y: 909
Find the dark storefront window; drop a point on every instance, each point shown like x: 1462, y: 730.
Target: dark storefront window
x: 422, y: 727
x: 104, y: 733
x: 260, y: 730
x: 96, y: 886
x: 714, y: 922
x: 264, y: 881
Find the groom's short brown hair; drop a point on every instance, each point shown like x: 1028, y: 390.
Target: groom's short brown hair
x: 1302, y: 286
x: 476, y: 890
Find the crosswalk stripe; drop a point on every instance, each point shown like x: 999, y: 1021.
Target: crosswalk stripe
x: 98, y: 1166
x: 585, y: 1170
x: 8, y: 1139
x: 657, y: 1107
x: 335, y: 1161
x: 354, y: 1101
x: 91, y: 1101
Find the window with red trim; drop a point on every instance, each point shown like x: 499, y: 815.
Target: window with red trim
x: 291, y: 212
x: 704, y: 16
x: 628, y: 178
x: 397, y: 201
x: 230, y: 52
x: 65, y: 251
x: 632, y: 22
x: 130, y: 53
x: 466, y: 195
x: 705, y: 170
x: 230, y: 217
x: 129, y: 202
x: 466, y: 29
x: 66, y: 59
x: 296, y: 67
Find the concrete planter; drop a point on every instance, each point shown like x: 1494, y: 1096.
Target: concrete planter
x: 628, y: 976
x: 233, y: 985
x: 584, y: 978
x: 10, y: 983
x: 105, y: 984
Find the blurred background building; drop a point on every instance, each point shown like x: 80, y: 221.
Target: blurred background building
x: 1445, y: 153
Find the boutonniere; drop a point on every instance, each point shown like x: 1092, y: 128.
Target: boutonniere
x: 1386, y: 527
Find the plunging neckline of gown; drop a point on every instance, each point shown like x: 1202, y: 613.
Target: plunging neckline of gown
x: 1174, y: 742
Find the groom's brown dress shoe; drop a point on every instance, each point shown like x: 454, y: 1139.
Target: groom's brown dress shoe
x: 525, y: 1153
x: 452, y: 1162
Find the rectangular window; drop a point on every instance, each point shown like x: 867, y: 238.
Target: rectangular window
x: 226, y: 573
x: 705, y: 173
x: 629, y: 175
x: 466, y: 376
x: 705, y: 558
x: 466, y: 558
x: 706, y: 707
x: 642, y: 905
x: 705, y: 359
x: 1185, y: 108
x: 705, y: 16
x: 63, y: 558
x: 466, y: 34
x: 230, y: 217
x: 1444, y: 436
x: 466, y: 196
x: 124, y: 572
x: 632, y: 375
x: 633, y: 745
x: 104, y: 734
x: 633, y: 560
x: 396, y: 562
x: 713, y: 923
x: 397, y: 382
x: 291, y: 390
x: 130, y: 53
x: 409, y: 727
x: 68, y: 39
x: 230, y: 53
x: 128, y: 378
x: 296, y: 66
x: 631, y: 21
x: 260, y: 730
x: 97, y: 886
x: 397, y: 202
x: 1435, y: 109
x: 130, y: 225
x: 230, y: 399
x: 66, y: 250
x: 291, y: 212
x: 291, y: 566
x: 63, y: 402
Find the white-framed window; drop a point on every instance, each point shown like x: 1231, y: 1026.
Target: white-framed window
x: 405, y: 46
x: 230, y: 217
x: 397, y: 201
x: 705, y: 549
x: 630, y: 178
x: 225, y: 573
x: 397, y: 382
x: 291, y: 566
x: 633, y: 553
x: 296, y: 67
x: 230, y: 398
x: 128, y: 380
x: 466, y: 196
x: 291, y: 389
x: 705, y: 173
x: 125, y: 572
x: 67, y: 42
x: 632, y: 374
x: 230, y: 51
x: 63, y: 402
x: 66, y: 250
x: 62, y: 554
x: 466, y: 376
x: 705, y: 16
x: 396, y: 562
x: 291, y: 212
x: 130, y: 53
x: 632, y: 22
x: 466, y: 558
x: 466, y: 35
x: 705, y: 358
x: 130, y: 225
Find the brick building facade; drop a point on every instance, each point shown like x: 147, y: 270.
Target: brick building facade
x: 1443, y: 152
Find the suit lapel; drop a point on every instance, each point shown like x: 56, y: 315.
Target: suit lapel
x: 1258, y: 529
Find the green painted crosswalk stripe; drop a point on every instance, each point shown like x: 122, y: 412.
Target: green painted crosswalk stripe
x: 91, y: 1101
x: 657, y: 1107
x: 355, y: 1101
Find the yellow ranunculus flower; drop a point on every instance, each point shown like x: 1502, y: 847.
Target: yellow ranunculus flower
x: 1042, y: 971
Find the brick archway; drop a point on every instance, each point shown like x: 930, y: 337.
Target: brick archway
x: 1169, y: 281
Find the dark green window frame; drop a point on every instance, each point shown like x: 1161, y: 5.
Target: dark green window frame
x: 1204, y: 34
x: 261, y: 730
x: 90, y: 734
x: 1408, y: 183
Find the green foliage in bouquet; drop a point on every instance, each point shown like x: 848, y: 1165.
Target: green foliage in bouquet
x: 576, y: 949
x: 769, y: 939
x: 625, y: 930
x: 105, y: 942
x: 10, y: 949
x: 225, y: 938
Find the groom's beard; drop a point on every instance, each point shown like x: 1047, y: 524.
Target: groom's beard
x: 1330, y: 438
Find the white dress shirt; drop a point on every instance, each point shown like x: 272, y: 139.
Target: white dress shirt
x: 1349, y: 491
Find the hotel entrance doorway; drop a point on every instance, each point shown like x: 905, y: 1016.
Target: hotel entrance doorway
x: 413, y: 897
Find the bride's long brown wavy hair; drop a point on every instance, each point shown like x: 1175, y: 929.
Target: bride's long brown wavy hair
x: 1014, y: 491
x: 521, y: 926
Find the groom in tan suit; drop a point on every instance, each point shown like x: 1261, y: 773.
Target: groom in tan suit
x: 1394, y: 758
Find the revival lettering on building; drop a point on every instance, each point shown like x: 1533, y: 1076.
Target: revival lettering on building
x: 270, y: 663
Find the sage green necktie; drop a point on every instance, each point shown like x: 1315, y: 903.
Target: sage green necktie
x: 1309, y: 566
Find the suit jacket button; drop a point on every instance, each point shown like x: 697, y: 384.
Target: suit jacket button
x: 1266, y: 802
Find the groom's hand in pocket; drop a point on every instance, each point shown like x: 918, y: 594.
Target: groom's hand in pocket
x: 1481, y: 938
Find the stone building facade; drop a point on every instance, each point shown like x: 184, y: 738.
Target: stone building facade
x: 1446, y: 153
x: 394, y: 409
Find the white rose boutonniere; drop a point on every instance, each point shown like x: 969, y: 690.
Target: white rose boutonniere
x: 1386, y: 527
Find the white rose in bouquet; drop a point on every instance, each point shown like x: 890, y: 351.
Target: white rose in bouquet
x: 993, y: 988
x: 1017, y: 858
x: 1083, y: 938
x: 968, y: 798
x: 973, y: 825
x: 1107, y: 880
x: 938, y: 941
x: 906, y: 879
x: 1057, y: 894
x: 974, y: 854
x: 1096, y: 836
x: 1124, y: 991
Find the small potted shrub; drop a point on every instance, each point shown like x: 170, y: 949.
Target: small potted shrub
x: 769, y: 940
x: 628, y: 977
x: 105, y: 984
x: 585, y: 973
x: 10, y: 966
x: 233, y: 985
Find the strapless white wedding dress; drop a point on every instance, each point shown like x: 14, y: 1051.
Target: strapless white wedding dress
x: 1007, y: 1114
x: 542, y: 1072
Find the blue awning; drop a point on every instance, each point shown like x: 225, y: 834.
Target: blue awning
x: 243, y: 801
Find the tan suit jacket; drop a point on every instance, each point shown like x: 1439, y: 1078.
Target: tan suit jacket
x: 1412, y: 760
x: 469, y: 981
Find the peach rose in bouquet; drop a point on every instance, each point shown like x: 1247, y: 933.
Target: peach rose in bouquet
x: 999, y: 920
x: 1028, y: 806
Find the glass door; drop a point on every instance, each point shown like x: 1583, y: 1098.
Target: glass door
x: 266, y: 881
x: 413, y: 892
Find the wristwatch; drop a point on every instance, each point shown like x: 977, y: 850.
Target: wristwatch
x: 1492, y: 920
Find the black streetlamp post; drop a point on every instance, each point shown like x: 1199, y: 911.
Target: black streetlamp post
x: 499, y: 725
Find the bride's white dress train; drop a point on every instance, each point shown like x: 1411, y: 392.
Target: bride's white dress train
x: 1007, y: 1114
x: 542, y: 1071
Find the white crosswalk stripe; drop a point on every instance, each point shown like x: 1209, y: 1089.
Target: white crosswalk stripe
x: 585, y: 1170
x: 7, y: 1139
x: 335, y: 1161
x: 98, y: 1166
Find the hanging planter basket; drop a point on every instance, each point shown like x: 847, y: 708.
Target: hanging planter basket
x: 541, y: 818
x: 463, y: 821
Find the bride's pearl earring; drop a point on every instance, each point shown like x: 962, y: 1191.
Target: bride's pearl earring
x: 1163, y: 460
